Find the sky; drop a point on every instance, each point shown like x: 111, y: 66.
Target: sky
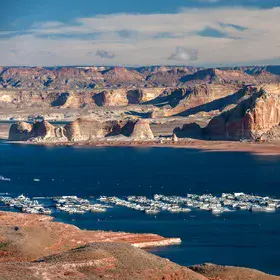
x: 207, y: 33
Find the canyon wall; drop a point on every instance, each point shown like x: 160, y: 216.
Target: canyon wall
x: 77, y: 87
x: 251, y: 118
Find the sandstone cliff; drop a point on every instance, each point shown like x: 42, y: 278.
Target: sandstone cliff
x: 199, y: 99
x: 85, y: 129
x: 74, y: 99
x: 118, y: 97
x: 251, y: 118
x: 92, y: 130
x: 124, y: 97
x: 65, y: 79
x: 79, y: 87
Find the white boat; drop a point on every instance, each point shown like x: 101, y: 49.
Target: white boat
x: 269, y: 209
x: 174, y: 210
x: 98, y: 210
x: 257, y: 208
x: 152, y: 211
x: 217, y: 211
x: 186, y: 210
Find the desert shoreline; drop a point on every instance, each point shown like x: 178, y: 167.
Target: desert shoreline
x: 200, y: 145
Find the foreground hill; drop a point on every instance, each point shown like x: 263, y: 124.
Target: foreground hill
x: 217, y: 272
x: 34, y: 247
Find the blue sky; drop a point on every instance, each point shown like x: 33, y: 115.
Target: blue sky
x: 20, y: 14
x: 38, y: 32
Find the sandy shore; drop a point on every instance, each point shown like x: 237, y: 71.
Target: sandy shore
x: 203, y: 145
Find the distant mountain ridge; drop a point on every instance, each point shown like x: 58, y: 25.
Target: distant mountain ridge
x: 81, y: 78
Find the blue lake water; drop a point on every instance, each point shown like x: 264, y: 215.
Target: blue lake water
x: 239, y: 238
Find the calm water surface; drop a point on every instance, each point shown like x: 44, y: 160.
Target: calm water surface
x: 239, y: 238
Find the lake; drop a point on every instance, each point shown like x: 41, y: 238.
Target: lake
x: 238, y: 238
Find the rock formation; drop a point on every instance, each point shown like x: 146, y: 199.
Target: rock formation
x: 166, y: 76
x: 148, y: 94
x: 119, y: 75
x: 174, y: 138
x: 86, y: 129
x: 112, y: 98
x: 250, y: 119
x: 142, y: 131
x: 124, y: 97
x: 191, y: 130
x: 81, y: 130
x: 42, y: 130
x: 219, y: 76
x: 207, y: 99
x: 20, y: 131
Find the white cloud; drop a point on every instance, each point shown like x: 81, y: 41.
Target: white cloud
x: 139, y: 39
x: 184, y: 54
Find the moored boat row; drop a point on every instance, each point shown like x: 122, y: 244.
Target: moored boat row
x: 25, y: 205
x: 227, y: 202
x: 76, y: 205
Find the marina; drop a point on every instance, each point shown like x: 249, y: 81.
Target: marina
x: 217, y: 205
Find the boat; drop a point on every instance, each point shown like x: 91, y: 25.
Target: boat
x: 269, y: 209
x: 152, y: 211
x: 98, y: 209
x: 217, y: 211
x: 256, y: 208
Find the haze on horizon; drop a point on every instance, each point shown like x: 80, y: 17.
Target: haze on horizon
x: 206, y: 33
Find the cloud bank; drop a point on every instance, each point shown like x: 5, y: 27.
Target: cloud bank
x: 223, y: 36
